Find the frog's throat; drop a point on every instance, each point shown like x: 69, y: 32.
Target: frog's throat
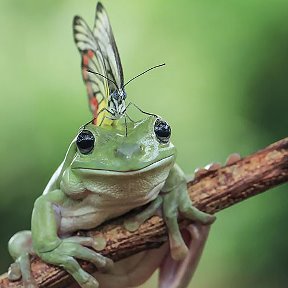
x: 149, y: 167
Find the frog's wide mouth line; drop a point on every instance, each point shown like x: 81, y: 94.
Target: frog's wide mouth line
x: 149, y: 167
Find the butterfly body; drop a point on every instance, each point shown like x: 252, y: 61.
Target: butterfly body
x: 116, y: 104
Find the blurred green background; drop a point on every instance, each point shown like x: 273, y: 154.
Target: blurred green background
x: 224, y: 89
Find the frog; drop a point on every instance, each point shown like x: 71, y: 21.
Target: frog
x: 105, y: 174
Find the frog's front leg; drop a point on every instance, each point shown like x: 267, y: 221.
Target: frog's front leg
x: 62, y: 252
x: 176, y: 201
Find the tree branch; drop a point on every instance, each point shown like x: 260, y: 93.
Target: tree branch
x: 211, y: 192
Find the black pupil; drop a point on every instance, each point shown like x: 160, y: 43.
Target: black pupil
x: 85, y: 141
x: 162, y: 130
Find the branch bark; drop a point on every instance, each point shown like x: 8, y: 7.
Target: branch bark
x: 211, y: 192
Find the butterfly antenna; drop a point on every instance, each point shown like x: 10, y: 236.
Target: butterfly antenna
x: 160, y: 65
x: 90, y: 71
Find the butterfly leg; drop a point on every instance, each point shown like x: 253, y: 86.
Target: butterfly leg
x: 102, y: 110
x: 126, y: 129
x: 125, y: 112
x: 142, y: 111
x: 130, y: 118
x: 127, y: 106
x: 106, y: 117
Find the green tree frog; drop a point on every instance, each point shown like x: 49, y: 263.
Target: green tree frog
x: 105, y: 174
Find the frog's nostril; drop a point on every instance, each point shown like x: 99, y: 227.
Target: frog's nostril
x: 128, y: 150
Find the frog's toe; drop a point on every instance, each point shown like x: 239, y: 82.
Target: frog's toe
x: 84, y: 279
x: 192, y: 213
x: 199, y: 172
x: 177, y: 245
x: 14, y: 272
x: 107, y: 266
x: 178, y: 252
x: 99, y: 243
x: 90, y: 283
x: 131, y: 224
x: 102, y: 263
x: 206, y: 219
x: 233, y: 158
x: 213, y: 166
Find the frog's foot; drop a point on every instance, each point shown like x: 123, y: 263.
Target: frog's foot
x: 14, y: 272
x: 20, y: 248
x: 231, y: 159
x: 132, y: 224
x: 177, y: 274
x: 21, y: 269
x: 64, y: 255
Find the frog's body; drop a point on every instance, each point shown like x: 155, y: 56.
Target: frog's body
x: 132, y: 189
x: 105, y: 174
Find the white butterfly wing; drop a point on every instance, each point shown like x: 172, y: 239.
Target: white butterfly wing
x: 105, y: 39
x: 92, y: 60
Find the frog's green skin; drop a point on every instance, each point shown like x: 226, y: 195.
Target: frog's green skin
x: 121, y: 173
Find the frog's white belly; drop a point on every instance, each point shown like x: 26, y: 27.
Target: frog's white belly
x: 111, y: 194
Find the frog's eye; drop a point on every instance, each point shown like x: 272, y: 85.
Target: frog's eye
x: 162, y: 131
x: 85, y: 141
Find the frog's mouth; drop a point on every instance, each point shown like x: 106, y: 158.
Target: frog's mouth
x: 160, y: 163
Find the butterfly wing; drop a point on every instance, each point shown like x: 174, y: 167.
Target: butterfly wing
x: 92, y: 60
x: 103, y: 33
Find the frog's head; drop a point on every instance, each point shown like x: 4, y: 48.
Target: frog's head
x: 108, y: 148
x: 115, y: 165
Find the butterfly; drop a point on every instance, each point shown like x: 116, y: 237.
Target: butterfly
x: 101, y: 66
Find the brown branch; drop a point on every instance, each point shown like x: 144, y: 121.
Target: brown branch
x: 211, y: 193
